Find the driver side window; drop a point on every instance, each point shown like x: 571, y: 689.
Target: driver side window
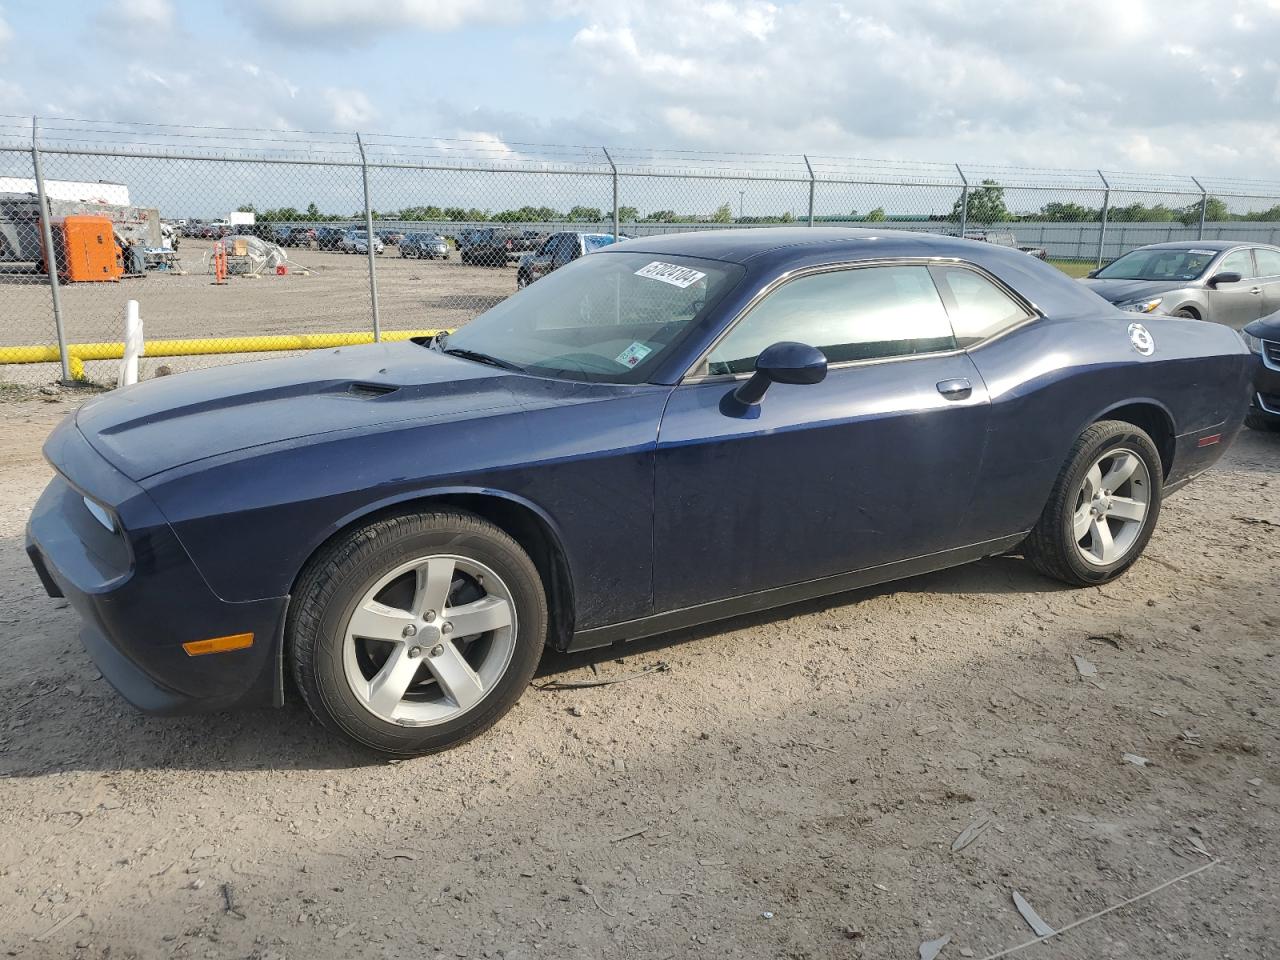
x: 1241, y: 262
x: 857, y: 314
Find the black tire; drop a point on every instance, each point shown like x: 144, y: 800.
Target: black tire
x: 1052, y: 547
x: 336, y: 579
x: 1264, y: 422
x: 1186, y: 313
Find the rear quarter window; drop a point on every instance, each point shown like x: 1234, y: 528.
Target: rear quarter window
x: 978, y: 308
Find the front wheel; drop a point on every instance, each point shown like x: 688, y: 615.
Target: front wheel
x: 1103, y: 507
x: 417, y: 632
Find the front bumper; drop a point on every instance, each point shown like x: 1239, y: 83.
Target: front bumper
x: 141, y: 597
x: 1266, y: 381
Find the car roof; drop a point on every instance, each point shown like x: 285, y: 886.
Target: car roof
x: 808, y: 243
x: 1217, y: 245
x: 773, y: 251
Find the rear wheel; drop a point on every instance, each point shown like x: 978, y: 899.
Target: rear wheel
x: 1103, y: 507
x: 417, y: 632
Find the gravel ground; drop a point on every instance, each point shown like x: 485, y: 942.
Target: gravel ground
x: 790, y: 788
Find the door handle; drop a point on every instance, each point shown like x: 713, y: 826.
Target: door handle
x: 957, y: 389
x: 1256, y: 291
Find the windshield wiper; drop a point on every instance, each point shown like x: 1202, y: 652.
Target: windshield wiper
x: 479, y: 357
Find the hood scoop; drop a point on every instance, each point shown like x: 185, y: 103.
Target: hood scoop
x: 368, y: 391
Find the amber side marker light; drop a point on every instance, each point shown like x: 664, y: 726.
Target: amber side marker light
x: 237, y: 641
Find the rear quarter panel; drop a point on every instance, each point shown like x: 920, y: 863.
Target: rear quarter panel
x: 1052, y: 378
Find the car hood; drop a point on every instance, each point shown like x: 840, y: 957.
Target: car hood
x: 171, y: 421
x: 1267, y: 328
x: 1121, y: 291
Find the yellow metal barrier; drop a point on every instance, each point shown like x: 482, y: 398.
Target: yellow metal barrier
x: 78, y: 353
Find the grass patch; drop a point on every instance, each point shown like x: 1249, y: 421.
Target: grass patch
x: 1074, y: 268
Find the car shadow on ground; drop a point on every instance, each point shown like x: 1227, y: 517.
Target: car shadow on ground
x: 69, y: 718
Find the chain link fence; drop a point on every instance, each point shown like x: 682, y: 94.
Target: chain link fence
x: 242, y: 244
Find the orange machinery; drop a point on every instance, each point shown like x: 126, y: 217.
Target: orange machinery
x: 86, y: 249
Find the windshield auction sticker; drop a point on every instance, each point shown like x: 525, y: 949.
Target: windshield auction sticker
x: 670, y: 273
x: 633, y: 354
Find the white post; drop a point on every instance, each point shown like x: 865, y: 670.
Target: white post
x: 133, y: 345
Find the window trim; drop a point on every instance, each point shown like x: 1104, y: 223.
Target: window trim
x: 692, y: 376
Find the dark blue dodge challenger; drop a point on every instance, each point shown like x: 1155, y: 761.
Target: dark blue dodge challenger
x: 670, y: 431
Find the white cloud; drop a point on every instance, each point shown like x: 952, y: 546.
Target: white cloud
x: 344, y: 23
x: 6, y: 34
x: 140, y: 14
x: 349, y: 109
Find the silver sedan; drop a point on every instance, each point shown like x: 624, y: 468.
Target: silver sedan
x: 1224, y: 281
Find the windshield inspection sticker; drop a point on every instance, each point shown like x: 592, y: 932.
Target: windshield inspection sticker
x: 1202, y: 253
x: 670, y: 273
x: 633, y: 354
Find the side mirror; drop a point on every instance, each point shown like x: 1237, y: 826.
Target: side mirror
x: 785, y: 362
x: 1093, y: 273
x: 1229, y: 276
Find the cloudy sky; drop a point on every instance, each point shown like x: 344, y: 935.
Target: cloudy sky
x: 1145, y: 85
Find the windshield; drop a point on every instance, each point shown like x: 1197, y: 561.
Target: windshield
x: 1159, y: 264
x: 594, y: 241
x: 608, y: 318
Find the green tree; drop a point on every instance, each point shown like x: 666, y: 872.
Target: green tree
x: 586, y: 214
x: 1067, y: 213
x: 1215, y: 211
x: 313, y: 212
x: 986, y: 204
x: 723, y: 214
x: 246, y: 208
x: 628, y: 214
x: 875, y: 216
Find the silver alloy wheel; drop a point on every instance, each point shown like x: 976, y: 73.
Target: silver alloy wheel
x: 1111, y: 507
x: 429, y: 640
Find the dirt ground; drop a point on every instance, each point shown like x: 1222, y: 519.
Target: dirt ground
x: 324, y: 292
x: 790, y: 788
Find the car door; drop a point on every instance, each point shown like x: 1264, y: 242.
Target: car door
x: 1240, y: 303
x: 1267, y: 261
x: 874, y: 464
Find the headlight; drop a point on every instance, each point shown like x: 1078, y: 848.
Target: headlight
x: 1253, y: 343
x: 100, y: 514
x: 1140, y: 306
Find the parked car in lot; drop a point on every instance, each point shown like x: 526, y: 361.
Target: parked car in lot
x: 424, y: 245
x: 1224, y: 281
x: 328, y: 238
x: 1263, y: 340
x: 357, y: 241
x: 390, y: 237
x: 673, y: 430
x: 299, y: 237
x: 490, y: 247
x: 558, y: 250
x: 527, y: 240
x: 1007, y: 238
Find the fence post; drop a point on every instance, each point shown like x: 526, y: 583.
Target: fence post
x: 614, y: 167
x: 1106, y: 208
x: 964, y: 202
x: 1204, y: 206
x: 368, y: 226
x: 50, y: 254
x: 811, y: 184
